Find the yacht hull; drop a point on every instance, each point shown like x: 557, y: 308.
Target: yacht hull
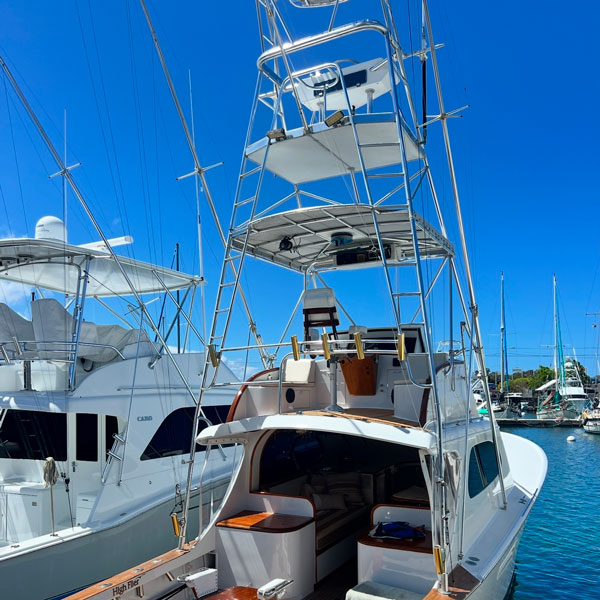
x: 591, y: 421
x: 55, y: 571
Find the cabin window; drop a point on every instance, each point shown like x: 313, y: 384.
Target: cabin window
x: 86, y: 438
x: 175, y: 432
x: 483, y: 468
x: 33, y: 435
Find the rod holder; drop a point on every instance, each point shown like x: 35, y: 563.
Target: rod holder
x: 175, y: 523
x: 295, y: 347
x: 401, y: 349
x: 213, y: 355
x: 439, y: 561
x: 360, y: 350
x: 326, y: 349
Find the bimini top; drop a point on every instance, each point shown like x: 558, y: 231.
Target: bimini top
x: 54, y: 265
x: 340, y: 236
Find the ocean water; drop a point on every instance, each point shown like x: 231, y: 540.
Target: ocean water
x: 559, y: 554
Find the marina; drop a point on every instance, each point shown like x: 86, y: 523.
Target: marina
x: 313, y: 415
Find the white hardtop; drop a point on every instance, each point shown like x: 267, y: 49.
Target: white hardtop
x: 343, y: 423
x: 312, y: 232
x: 55, y: 265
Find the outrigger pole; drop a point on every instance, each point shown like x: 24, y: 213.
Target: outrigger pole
x: 443, y: 117
x: 199, y: 171
x: 67, y: 175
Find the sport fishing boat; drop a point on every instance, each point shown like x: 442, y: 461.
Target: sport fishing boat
x: 565, y: 394
x: 95, y: 419
x: 361, y: 468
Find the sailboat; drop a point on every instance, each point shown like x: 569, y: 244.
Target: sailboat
x: 96, y: 416
x: 361, y: 468
x: 565, y: 395
x: 505, y: 404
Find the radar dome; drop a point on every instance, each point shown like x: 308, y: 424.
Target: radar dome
x: 50, y: 228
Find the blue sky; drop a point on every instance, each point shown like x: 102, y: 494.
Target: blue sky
x: 525, y: 150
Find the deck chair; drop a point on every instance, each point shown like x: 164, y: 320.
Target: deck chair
x: 319, y: 310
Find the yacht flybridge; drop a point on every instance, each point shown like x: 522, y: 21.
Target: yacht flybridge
x: 95, y: 419
x: 361, y: 468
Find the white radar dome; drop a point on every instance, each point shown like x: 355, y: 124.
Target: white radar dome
x: 50, y: 228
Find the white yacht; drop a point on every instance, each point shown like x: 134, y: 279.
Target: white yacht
x: 361, y: 467
x: 95, y: 419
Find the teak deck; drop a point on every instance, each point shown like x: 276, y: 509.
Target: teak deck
x: 461, y: 584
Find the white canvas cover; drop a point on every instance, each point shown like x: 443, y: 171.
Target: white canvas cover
x: 14, y: 325
x: 53, y: 323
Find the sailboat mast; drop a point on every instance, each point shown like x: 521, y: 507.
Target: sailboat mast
x: 555, y: 304
x: 502, y: 337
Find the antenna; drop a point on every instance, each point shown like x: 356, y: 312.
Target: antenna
x: 63, y: 172
x: 198, y: 217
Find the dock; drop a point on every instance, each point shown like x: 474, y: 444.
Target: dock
x: 519, y: 422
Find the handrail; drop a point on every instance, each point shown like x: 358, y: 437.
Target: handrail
x: 66, y: 347
x: 314, y: 40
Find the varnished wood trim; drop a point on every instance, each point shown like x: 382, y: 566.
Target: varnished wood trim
x: 265, y: 522
x: 369, y: 415
x: 234, y: 593
x: 130, y: 577
x: 461, y: 584
x: 236, y: 400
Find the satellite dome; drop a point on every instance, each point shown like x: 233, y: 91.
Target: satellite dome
x: 50, y: 228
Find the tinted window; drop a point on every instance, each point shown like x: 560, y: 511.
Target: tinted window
x: 174, y: 435
x: 288, y: 454
x: 33, y: 435
x: 483, y: 468
x: 86, y: 443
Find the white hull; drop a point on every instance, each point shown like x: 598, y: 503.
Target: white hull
x: 591, y: 421
x: 552, y: 414
x: 65, y: 567
x: 68, y: 566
